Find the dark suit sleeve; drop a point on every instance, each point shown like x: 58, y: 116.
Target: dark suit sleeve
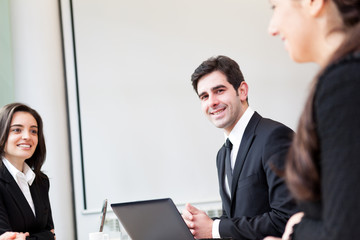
x: 281, y: 204
x: 4, y: 219
x: 45, y: 234
x: 50, y: 223
x: 337, y: 110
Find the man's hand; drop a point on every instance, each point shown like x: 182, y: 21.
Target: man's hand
x: 198, y: 222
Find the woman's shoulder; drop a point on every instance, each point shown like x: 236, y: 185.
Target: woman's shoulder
x: 344, y: 73
x: 43, y: 180
x: 347, y: 65
x: 337, y: 98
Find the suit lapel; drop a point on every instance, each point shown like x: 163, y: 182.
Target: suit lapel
x: 14, y: 191
x: 246, y: 142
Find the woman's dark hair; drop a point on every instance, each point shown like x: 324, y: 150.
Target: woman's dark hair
x: 36, y: 161
x: 302, y: 171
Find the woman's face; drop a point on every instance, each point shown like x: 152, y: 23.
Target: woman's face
x: 291, y: 22
x: 23, y: 137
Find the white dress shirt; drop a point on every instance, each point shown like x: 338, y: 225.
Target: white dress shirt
x: 235, y: 138
x: 23, y: 179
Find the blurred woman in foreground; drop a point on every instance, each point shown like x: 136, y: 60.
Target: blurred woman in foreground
x: 323, y: 165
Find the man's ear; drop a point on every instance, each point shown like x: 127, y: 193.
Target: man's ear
x: 243, y: 91
x: 315, y: 7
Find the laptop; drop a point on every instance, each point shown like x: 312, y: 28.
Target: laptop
x: 157, y: 219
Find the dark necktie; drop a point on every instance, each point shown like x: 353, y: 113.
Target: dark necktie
x: 228, y: 171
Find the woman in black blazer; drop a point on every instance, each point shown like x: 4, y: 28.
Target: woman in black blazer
x: 24, y: 200
x: 323, y: 165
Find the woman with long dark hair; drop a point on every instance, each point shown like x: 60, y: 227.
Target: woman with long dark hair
x: 323, y: 166
x: 24, y: 202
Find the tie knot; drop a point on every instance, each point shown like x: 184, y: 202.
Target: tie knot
x: 228, y: 144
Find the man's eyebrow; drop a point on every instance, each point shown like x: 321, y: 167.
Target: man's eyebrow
x: 218, y: 87
x: 212, y: 89
x: 202, y: 94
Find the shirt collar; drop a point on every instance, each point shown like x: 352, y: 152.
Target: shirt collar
x: 27, y: 171
x: 237, y: 132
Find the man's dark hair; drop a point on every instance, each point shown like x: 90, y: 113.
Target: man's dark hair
x: 220, y: 63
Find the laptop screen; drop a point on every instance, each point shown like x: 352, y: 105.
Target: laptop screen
x: 157, y: 219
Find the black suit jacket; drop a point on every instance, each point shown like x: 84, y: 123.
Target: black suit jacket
x: 261, y: 204
x: 15, y: 212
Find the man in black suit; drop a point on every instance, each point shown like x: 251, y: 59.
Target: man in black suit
x: 256, y: 202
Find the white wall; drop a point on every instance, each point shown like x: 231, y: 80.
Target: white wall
x: 39, y: 82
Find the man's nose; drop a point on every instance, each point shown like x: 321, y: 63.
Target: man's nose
x: 213, y: 101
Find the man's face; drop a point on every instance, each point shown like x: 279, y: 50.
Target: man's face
x: 220, y: 102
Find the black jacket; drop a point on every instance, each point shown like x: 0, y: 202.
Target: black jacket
x: 337, y: 117
x: 260, y: 204
x: 15, y: 212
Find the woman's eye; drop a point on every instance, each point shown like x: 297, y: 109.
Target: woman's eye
x: 34, y: 132
x: 16, y: 130
x: 272, y: 6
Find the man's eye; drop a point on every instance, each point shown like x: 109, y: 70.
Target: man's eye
x: 220, y: 90
x: 202, y: 98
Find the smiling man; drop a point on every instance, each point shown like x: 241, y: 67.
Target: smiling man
x: 256, y: 202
